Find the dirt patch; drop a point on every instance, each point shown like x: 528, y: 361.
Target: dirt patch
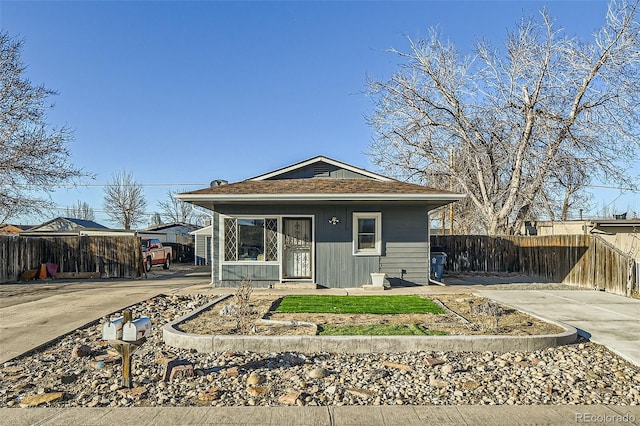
x: 466, y: 314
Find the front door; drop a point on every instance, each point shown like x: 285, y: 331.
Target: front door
x: 297, y: 248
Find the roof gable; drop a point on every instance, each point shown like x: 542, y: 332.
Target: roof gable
x: 178, y: 226
x: 67, y: 224
x: 321, y: 167
x: 10, y: 229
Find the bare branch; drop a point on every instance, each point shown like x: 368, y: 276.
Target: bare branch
x: 529, y: 125
x: 34, y: 157
x: 124, y: 200
x: 81, y: 211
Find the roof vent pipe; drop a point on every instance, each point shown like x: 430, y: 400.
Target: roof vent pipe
x: 218, y: 182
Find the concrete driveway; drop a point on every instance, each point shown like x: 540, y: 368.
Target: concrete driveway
x: 606, y: 319
x: 37, y: 313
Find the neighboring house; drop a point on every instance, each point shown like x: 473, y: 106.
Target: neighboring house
x: 624, y: 234
x: 13, y: 229
x: 153, y: 234
x: 68, y: 226
x: 203, y: 245
x: 177, y: 232
x: 543, y: 227
x: 319, y: 222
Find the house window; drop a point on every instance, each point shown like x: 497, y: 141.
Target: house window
x: 250, y: 239
x: 367, y: 234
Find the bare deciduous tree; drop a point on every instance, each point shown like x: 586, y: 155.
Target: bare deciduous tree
x: 124, y: 200
x: 156, y: 219
x: 174, y: 210
x: 81, y: 211
x: 528, y: 124
x: 34, y: 157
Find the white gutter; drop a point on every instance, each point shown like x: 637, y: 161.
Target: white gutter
x: 319, y: 197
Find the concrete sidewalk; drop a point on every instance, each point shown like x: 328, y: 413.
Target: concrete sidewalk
x: 606, y: 319
x: 338, y: 416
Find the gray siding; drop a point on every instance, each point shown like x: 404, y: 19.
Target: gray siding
x: 258, y: 272
x: 404, y: 236
x: 311, y: 170
x: 201, y: 249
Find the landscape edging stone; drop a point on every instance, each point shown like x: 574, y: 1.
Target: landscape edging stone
x: 208, y: 343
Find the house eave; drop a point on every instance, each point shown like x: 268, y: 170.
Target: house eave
x: 428, y: 199
x: 630, y: 223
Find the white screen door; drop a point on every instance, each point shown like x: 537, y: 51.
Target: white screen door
x: 297, y: 246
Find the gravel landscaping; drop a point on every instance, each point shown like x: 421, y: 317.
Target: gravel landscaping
x: 80, y: 370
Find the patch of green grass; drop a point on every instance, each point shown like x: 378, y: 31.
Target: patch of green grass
x: 378, y: 330
x: 401, y: 304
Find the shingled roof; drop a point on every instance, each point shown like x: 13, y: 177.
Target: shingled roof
x: 319, y: 191
x: 318, y: 186
x: 282, y: 186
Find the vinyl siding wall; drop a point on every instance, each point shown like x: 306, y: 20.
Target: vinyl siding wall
x: 201, y: 250
x: 327, y: 170
x: 404, y: 238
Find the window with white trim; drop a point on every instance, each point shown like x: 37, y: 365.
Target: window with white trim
x: 250, y: 239
x: 367, y: 234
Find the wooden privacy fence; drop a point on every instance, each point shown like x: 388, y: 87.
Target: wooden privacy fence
x: 582, y: 260
x: 111, y: 257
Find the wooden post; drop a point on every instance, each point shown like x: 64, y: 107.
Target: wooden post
x: 126, y: 351
x: 126, y: 354
x: 126, y: 366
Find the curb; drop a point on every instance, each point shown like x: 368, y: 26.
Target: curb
x: 209, y: 343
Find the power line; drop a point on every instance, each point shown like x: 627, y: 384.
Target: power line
x: 64, y: 209
x: 613, y: 187
x: 104, y: 185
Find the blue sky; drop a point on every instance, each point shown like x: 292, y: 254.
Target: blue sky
x: 182, y: 93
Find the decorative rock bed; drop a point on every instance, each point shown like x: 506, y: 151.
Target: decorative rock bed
x: 578, y: 373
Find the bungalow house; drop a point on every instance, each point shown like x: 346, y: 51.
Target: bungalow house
x: 319, y: 222
x: 13, y: 229
x: 623, y: 234
x: 69, y: 226
x: 176, y: 232
x: 202, y: 244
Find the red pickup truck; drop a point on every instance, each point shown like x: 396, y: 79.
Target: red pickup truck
x: 153, y: 253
